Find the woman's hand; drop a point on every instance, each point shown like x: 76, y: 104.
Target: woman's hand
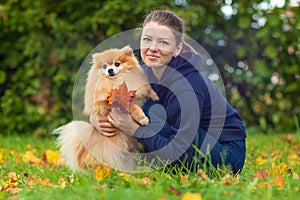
x: 102, y: 124
x: 122, y: 120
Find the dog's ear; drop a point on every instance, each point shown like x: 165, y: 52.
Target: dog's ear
x: 95, y: 55
x: 127, y: 50
x: 96, y: 58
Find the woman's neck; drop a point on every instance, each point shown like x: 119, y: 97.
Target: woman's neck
x: 158, y: 71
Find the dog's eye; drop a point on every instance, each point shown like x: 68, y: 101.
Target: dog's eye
x: 117, y: 64
x: 104, y: 66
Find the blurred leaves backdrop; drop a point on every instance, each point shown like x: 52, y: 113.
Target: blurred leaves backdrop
x: 255, y: 44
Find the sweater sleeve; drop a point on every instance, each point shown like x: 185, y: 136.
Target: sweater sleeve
x: 172, y: 141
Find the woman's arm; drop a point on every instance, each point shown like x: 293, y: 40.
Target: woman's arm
x: 170, y: 142
x: 182, y: 130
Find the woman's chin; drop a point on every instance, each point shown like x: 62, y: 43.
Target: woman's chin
x: 154, y: 64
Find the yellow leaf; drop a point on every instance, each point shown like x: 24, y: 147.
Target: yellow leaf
x: 31, y: 158
x: 184, y: 177
x: 293, y: 159
x: 125, y: 176
x: 279, y: 169
x: 102, y: 172
x: 191, y: 196
x: 264, y: 185
x: 260, y: 161
x: 1, y: 156
x: 11, y: 180
x: 46, y: 182
x: 52, y: 157
x: 4, y: 184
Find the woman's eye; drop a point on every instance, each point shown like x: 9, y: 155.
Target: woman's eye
x: 146, y: 39
x: 104, y: 66
x: 164, y: 42
x: 117, y: 64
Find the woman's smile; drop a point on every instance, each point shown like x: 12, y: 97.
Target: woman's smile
x: 152, y: 57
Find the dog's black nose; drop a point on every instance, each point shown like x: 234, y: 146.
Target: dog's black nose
x: 111, y: 72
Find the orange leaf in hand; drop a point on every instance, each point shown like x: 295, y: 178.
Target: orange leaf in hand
x: 121, y: 97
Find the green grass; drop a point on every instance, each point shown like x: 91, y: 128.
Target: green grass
x: 275, y: 156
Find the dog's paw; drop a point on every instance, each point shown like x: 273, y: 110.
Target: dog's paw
x: 144, y: 121
x: 153, y: 95
x: 155, y: 98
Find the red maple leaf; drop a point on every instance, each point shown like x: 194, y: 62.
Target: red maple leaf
x: 121, y: 97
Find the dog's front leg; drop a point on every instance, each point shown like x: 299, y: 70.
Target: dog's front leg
x: 138, y: 115
x: 153, y: 95
x: 101, y: 107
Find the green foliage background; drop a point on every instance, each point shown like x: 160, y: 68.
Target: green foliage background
x: 43, y: 43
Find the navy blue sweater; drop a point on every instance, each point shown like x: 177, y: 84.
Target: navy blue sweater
x: 189, y: 101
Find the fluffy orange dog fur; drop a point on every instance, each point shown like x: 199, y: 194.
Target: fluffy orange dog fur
x: 81, y: 145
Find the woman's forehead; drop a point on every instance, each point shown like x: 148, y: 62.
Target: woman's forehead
x: 153, y: 29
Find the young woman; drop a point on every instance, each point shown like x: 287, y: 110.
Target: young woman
x: 192, y: 121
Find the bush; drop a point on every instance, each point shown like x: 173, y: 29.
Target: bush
x: 44, y: 42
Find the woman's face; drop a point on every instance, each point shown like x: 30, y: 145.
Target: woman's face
x: 158, y: 45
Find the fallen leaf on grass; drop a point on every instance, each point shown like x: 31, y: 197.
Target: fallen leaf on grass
x: 260, y: 161
x: 280, y: 169
x: 1, y: 155
x: 279, y: 181
x: 261, y: 174
x: 31, y: 158
x: 288, y: 138
x: 125, y: 176
x: 184, y: 177
x: 264, y: 185
x: 51, y: 156
x: 174, y: 191
x: 9, y: 181
x: 227, y: 180
x: 296, y: 176
x: 276, y: 170
x: 293, y: 159
x: 201, y: 173
x: 34, y: 180
x: 102, y: 172
x: 142, y: 181
x: 14, y: 190
x: 191, y: 196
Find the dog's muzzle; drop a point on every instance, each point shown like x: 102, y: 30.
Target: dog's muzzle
x: 111, y: 72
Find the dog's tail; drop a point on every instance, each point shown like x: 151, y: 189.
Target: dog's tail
x: 71, y: 139
x: 82, y: 147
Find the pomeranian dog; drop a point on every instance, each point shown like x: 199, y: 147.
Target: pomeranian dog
x: 81, y: 144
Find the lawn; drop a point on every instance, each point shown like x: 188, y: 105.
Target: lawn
x: 30, y: 168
